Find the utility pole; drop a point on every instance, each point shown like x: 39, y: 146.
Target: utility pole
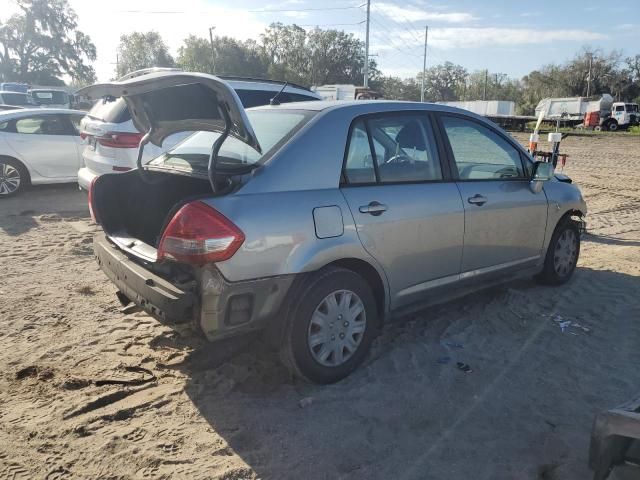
x: 366, y: 48
x: 213, y: 53
x: 484, y: 90
x: 424, y: 63
x: 589, y: 76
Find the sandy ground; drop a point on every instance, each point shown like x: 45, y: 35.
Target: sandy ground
x: 525, y: 412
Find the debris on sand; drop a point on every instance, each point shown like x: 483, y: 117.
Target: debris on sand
x: 464, y: 367
x: 565, y: 324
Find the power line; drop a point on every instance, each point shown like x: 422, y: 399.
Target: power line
x: 329, y: 24
x: 393, y: 44
x: 262, y: 10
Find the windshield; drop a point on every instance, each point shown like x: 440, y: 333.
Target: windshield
x: 19, y: 99
x: 50, y: 97
x: 632, y: 107
x: 271, y: 127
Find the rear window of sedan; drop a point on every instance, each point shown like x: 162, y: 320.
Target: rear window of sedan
x: 272, y: 127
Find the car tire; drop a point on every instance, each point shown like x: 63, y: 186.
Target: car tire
x: 613, y: 126
x: 14, y: 177
x: 332, y: 310
x: 562, y: 255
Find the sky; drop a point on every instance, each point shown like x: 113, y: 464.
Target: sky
x: 512, y: 37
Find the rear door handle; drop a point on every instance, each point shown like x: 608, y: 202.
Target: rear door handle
x: 477, y: 199
x: 374, y: 208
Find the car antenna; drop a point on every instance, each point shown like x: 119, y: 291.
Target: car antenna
x: 274, y: 100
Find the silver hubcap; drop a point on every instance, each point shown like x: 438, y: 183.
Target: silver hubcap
x: 9, y: 179
x: 336, y: 328
x: 565, y: 253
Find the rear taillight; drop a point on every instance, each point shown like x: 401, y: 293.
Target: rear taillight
x: 90, y: 199
x: 120, y: 169
x: 83, y: 135
x: 198, y: 234
x: 120, y: 139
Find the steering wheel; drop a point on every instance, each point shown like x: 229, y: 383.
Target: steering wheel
x: 399, y: 158
x: 506, y: 172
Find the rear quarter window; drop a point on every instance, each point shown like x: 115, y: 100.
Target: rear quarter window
x: 110, y: 112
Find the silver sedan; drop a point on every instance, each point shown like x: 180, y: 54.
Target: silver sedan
x: 318, y: 221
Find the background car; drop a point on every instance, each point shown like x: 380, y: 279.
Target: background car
x: 51, y: 97
x: 18, y: 99
x: 38, y: 146
x: 317, y: 220
x: 112, y: 140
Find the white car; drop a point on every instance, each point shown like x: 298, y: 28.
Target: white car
x: 112, y: 139
x: 39, y: 146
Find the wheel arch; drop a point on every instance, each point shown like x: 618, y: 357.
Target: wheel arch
x: 372, y: 277
x: 21, y: 163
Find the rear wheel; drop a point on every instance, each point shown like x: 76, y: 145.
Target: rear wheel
x: 13, y: 177
x: 330, y: 324
x: 562, y: 254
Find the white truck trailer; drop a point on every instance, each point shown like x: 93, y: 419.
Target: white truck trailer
x: 601, y: 114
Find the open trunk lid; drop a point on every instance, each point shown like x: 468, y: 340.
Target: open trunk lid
x: 163, y: 103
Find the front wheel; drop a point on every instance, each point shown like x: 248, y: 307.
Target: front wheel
x: 562, y: 254
x: 330, y: 323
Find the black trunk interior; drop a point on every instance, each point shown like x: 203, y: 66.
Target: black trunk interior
x: 127, y: 203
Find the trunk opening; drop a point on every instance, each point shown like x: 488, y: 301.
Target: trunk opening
x: 127, y: 206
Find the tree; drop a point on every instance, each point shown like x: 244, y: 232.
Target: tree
x: 232, y: 57
x: 443, y: 82
x: 394, y: 88
x: 314, y: 58
x: 142, y: 50
x: 42, y: 43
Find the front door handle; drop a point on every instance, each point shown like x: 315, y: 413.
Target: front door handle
x: 374, y: 208
x: 477, y: 199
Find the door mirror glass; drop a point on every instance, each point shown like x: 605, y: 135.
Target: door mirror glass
x: 542, y: 171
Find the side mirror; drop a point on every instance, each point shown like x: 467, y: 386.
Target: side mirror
x: 542, y: 171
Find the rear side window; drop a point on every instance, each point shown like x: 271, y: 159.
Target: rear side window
x: 480, y: 153
x: 298, y: 97
x: 255, y: 98
x: 43, y: 125
x: 392, y: 149
x: 359, y: 164
x: 115, y: 111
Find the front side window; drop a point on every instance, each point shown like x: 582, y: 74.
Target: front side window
x: 42, y: 125
x: 619, y: 108
x: 480, y: 153
x: 404, y: 150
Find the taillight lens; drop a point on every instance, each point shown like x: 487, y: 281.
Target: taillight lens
x: 120, y: 139
x: 198, y: 234
x: 90, y: 200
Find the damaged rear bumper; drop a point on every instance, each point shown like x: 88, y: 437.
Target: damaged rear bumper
x: 152, y: 293
x: 218, y: 307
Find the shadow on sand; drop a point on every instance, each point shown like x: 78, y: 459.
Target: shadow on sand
x: 409, y: 413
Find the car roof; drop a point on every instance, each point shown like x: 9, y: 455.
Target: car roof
x: 25, y: 112
x: 384, y: 105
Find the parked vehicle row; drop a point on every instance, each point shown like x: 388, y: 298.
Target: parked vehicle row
x: 316, y: 221
x: 83, y: 145
x: 112, y: 138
